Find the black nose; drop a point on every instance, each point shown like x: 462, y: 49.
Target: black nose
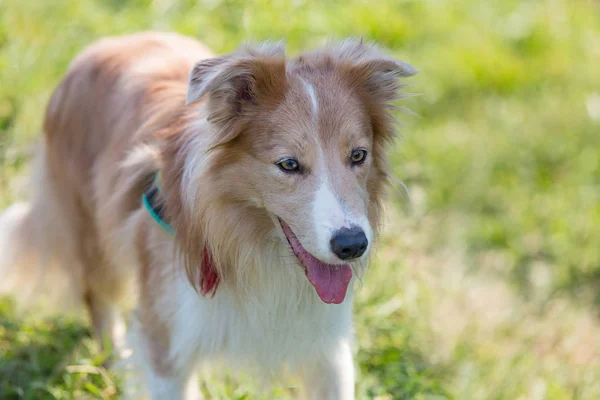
x: 349, y: 243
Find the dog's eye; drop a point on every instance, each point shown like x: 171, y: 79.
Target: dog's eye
x: 358, y: 156
x: 288, y: 165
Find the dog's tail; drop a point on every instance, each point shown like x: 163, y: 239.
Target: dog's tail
x: 38, y: 260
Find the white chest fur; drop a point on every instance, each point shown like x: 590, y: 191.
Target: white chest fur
x: 283, y: 321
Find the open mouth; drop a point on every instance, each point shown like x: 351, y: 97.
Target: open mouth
x: 329, y: 280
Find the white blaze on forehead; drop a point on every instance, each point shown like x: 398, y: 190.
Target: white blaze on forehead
x: 312, y: 95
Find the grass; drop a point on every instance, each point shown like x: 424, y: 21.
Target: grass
x: 487, y: 286
x: 48, y: 359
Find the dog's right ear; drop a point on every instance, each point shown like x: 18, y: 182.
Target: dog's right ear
x: 232, y: 84
x: 204, y: 76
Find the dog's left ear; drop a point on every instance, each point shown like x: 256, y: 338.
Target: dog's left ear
x: 381, y: 77
x: 235, y: 82
x: 376, y: 77
x: 372, y: 69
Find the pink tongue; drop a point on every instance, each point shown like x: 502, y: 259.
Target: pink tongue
x: 330, y: 281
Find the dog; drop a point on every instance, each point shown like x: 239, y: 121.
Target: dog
x: 229, y: 202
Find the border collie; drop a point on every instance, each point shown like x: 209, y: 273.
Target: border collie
x: 230, y: 202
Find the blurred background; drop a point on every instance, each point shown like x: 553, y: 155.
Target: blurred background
x: 486, y: 286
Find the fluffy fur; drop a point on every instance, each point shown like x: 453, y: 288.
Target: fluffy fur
x: 215, y: 127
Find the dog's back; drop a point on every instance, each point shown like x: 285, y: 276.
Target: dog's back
x: 110, y: 90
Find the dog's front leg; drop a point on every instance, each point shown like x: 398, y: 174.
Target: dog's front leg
x: 330, y: 374
x: 174, y: 388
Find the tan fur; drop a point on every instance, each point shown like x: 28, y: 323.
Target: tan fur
x: 91, y: 122
x: 215, y: 127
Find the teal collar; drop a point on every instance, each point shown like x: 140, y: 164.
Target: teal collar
x: 209, y: 278
x: 153, y: 203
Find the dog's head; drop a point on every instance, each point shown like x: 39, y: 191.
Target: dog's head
x: 299, y: 150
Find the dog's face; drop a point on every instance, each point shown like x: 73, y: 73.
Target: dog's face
x: 311, y: 158
x: 302, y: 139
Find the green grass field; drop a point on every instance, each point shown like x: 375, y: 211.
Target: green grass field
x: 487, y: 286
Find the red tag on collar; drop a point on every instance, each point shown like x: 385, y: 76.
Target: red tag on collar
x: 209, y: 278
